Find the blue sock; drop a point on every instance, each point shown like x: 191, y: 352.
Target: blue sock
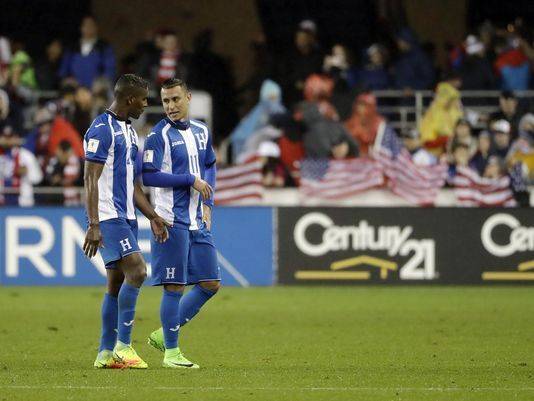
x: 192, y: 302
x: 127, y: 300
x: 110, y: 314
x: 169, y: 314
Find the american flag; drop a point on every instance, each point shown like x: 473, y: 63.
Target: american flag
x: 473, y: 190
x: 337, y: 179
x: 417, y: 184
x: 241, y: 184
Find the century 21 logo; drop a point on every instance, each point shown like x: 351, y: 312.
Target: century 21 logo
x: 364, y: 237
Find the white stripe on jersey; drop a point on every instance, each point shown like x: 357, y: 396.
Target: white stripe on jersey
x: 194, y: 168
x: 106, y: 208
x: 164, y: 197
x: 130, y: 209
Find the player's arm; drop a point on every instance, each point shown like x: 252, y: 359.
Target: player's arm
x: 93, y: 237
x: 98, y: 142
x: 154, y: 177
x: 157, y: 224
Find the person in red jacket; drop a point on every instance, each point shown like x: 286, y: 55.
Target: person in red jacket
x: 48, y: 133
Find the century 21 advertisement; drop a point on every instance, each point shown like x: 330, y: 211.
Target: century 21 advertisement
x: 405, y: 245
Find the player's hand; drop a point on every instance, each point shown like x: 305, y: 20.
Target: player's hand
x: 206, y: 216
x: 203, y: 187
x: 93, y: 241
x: 159, y: 228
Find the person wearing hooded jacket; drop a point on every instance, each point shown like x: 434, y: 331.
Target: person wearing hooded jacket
x: 412, y: 70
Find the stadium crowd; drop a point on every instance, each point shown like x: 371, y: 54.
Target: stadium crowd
x: 311, y: 103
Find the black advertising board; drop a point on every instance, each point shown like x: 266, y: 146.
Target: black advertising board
x: 405, y: 245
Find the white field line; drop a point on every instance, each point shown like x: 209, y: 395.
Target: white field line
x: 281, y: 389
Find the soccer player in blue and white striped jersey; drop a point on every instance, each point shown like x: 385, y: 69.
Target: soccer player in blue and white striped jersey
x: 179, y: 163
x: 110, y: 146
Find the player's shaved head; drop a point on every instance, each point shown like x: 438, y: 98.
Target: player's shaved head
x: 129, y: 85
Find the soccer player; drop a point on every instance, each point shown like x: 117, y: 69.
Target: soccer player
x: 110, y: 146
x: 179, y: 162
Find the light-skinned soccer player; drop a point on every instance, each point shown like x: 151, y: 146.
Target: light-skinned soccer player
x: 110, y: 146
x: 179, y: 163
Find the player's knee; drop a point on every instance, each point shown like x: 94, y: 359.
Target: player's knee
x: 212, y: 286
x: 174, y: 287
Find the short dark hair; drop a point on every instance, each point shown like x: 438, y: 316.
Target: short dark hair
x: 127, y: 83
x: 65, y: 146
x: 172, y: 82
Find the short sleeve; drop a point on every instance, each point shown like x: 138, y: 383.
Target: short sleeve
x: 210, y: 158
x: 153, y: 152
x: 97, y: 142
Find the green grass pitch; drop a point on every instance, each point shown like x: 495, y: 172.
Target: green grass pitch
x: 282, y: 343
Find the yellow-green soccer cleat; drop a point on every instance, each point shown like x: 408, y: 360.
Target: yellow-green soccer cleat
x: 156, y: 340
x: 125, y: 354
x: 174, y: 359
x: 105, y: 360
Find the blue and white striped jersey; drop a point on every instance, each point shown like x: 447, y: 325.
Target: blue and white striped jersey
x: 113, y: 143
x: 182, y: 147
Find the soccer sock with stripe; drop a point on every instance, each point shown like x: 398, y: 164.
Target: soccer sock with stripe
x: 110, y: 316
x: 192, y: 302
x: 169, y: 314
x: 127, y: 299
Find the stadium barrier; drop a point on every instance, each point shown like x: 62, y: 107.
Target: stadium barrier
x: 405, y: 245
x: 297, y: 245
x: 43, y: 246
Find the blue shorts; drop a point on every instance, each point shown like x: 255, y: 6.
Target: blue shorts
x: 187, y: 257
x: 120, y: 240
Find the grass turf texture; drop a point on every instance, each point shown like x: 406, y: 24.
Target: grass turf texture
x: 368, y: 343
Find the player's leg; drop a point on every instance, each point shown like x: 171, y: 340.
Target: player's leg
x: 134, y: 270
x: 203, y: 270
x: 108, y: 338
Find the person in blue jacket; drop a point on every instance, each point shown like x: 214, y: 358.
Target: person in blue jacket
x: 92, y: 58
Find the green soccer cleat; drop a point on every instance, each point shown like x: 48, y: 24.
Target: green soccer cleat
x: 156, y: 340
x: 124, y: 353
x: 174, y: 359
x: 105, y: 360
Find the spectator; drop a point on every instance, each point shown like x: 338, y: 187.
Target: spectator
x: 83, y: 112
x: 412, y: 142
x: 5, y: 59
x: 512, y: 65
x: 495, y: 168
x: 439, y: 121
x: 10, y: 113
x: 305, y: 59
x: 19, y: 170
x: 47, y: 68
x: 208, y: 71
x: 522, y: 149
x: 101, y: 95
x: 460, y: 158
x: 337, y: 67
x: 50, y: 130
x: 323, y: 137
x: 480, y: 159
x: 270, y: 103
x: 147, y: 54
x: 172, y: 60
x: 463, y: 134
x: 500, y: 130
x: 274, y: 173
x: 509, y: 111
x: 364, y: 122
x: 63, y: 170
x: 412, y: 70
x: 92, y: 58
x: 22, y: 72
x: 374, y: 75
x: 475, y: 71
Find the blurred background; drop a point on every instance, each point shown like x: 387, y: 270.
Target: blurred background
x: 354, y: 103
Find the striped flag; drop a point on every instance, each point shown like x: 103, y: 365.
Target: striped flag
x: 241, y: 184
x: 337, y: 179
x: 473, y: 190
x: 417, y: 184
